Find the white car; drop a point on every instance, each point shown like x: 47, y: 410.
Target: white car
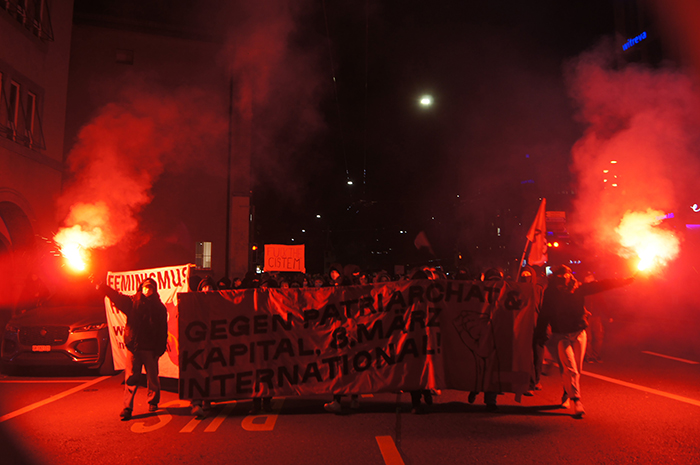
x: 68, y: 330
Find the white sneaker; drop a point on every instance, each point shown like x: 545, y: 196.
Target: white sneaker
x: 355, y: 403
x: 333, y: 407
x: 578, y: 409
x: 565, y: 401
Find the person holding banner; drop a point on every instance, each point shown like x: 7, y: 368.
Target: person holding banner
x: 529, y: 275
x: 563, y: 310
x: 198, y: 405
x: 338, y: 279
x: 145, y: 337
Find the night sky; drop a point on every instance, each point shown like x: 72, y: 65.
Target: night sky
x: 341, y: 103
x: 501, y: 117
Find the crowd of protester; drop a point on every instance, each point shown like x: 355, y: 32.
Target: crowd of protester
x: 561, y: 330
x: 348, y: 275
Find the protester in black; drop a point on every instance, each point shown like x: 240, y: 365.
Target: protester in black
x: 145, y: 337
x: 563, y: 309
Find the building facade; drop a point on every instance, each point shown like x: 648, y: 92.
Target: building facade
x: 35, y: 40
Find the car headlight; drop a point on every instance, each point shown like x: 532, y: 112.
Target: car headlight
x: 92, y: 327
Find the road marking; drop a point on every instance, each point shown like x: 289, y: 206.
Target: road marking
x: 163, y: 417
x: 252, y: 423
x: 63, y: 394
x: 687, y: 400
x: 389, y: 451
x: 216, y: 422
x: 189, y: 427
x: 671, y: 358
x: 214, y: 425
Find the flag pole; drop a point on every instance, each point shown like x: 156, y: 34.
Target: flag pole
x: 522, y: 259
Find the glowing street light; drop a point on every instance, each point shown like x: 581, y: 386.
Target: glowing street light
x: 426, y: 101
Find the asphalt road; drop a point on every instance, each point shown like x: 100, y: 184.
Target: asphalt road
x: 641, y: 407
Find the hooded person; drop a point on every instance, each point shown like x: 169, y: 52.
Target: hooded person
x: 224, y: 283
x: 416, y: 406
x: 382, y: 277
x: 485, y: 344
x: 563, y: 311
x: 338, y: 279
x: 528, y: 275
x: 250, y: 281
x: 145, y: 338
x: 336, y: 275
x: 352, y: 273
x: 207, y: 284
x: 199, y: 406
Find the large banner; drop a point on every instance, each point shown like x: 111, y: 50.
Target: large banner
x: 406, y: 335
x: 279, y: 257
x: 171, y: 280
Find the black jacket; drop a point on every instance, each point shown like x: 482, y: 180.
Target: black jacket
x: 565, y: 312
x: 146, y: 320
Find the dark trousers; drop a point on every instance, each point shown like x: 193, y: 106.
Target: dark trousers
x: 132, y: 373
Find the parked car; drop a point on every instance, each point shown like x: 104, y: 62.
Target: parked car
x: 69, y: 329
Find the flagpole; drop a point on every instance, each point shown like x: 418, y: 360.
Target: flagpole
x: 522, y: 259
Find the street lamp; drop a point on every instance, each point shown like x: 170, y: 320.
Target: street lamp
x: 426, y: 101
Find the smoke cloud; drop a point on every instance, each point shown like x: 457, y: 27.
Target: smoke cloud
x: 121, y: 153
x: 148, y: 128
x: 276, y: 66
x: 643, y: 129
x: 640, y: 149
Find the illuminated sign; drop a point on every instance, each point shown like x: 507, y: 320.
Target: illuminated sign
x: 635, y: 40
x: 695, y: 208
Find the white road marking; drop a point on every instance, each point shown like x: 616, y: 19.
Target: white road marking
x: 163, y: 418
x: 687, y: 400
x: 250, y: 423
x: 189, y: 427
x: 389, y: 451
x: 214, y: 425
x: 671, y: 358
x: 56, y: 397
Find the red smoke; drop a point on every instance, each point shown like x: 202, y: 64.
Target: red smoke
x: 121, y: 153
x: 278, y: 88
x: 648, y: 123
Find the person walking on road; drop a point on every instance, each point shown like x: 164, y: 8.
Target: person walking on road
x: 145, y: 337
x: 563, y: 310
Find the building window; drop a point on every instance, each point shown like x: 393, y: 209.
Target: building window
x: 20, y: 110
x: 32, y: 14
x: 30, y: 115
x: 202, y: 256
x: 12, y: 110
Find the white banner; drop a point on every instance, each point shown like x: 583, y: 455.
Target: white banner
x: 171, y: 280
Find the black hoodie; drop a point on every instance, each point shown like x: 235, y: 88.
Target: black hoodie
x: 146, y: 319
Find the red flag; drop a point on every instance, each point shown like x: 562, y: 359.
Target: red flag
x: 421, y: 241
x: 537, y: 237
